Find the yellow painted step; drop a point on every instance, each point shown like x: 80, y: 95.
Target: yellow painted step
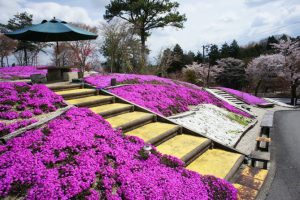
x: 252, y: 177
x: 91, y: 99
x: 111, y: 108
x: 150, y: 132
x: 75, y: 91
x: 63, y: 86
x: 245, y: 193
x: 182, y: 145
x: 256, y: 173
x: 215, y: 162
x: 128, y: 119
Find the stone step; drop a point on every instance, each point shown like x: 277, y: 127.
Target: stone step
x: 110, y: 110
x: 245, y: 193
x: 184, y: 147
x: 217, y: 162
x: 91, y: 101
x: 61, y: 87
x: 76, y: 93
x: 155, y: 133
x: 129, y: 121
x: 252, y: 177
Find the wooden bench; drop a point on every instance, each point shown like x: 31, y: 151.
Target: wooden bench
x: 265, y: 140
x: 258, y: 156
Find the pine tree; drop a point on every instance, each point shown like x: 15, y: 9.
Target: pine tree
x: 213, y: 55
x: 19, y: 21
x: 234, y: 51
x: 225, y: 51
x: 146, y: 15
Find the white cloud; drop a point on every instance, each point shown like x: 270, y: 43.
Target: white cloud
x: 9, y: 8
x: 48, y: 10
x: 254, y: 3
x: 208, y: 21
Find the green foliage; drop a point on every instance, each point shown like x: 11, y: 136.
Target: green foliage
x: 177, y: 62
x: 225, y: 51
x: 213, y: 55
x: 233, y: 74
x: 190, y: 76
x: 199, y: 57
x: 234, y: 49
x: 146, y: 15
x: 19, y: 21
x: 239, y: 119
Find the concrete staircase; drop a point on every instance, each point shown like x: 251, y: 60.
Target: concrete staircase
x: 227, y: 96
x: 200, y: 154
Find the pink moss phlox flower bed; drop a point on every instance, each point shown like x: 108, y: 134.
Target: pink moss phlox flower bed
x: 248, y: 98
x: 20, y: 101
x: 20, y: 72
x: 170, y: 99
x: 104, y: 80
x: 78, y: 155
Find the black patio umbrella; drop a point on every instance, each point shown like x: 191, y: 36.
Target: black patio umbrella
x: 51, y: 31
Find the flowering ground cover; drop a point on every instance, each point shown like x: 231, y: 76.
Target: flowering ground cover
x: 78, y: 155
x: 160, y: 95
x: 21, y: 102
x: 248, y: 98
x: 170, y: 99
x: 104, y: 80
x: 20, y: 72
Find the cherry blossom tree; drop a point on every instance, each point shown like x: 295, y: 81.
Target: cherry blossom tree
x: 198, y: 72
x: 264, y: 69
x: 77, y: 53
x: 290, y: 50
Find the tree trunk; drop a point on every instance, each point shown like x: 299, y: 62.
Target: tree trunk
x: 208, y: 76
x: 293, y: 93
x: 7, y: 64
x: 2, y: 63
x: 257, y: 87
x: 25, y: 57
x: 143, y: 47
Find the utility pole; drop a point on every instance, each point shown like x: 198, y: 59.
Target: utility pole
x: 206, y: 47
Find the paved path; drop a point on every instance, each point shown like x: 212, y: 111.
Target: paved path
x: 286, y: 149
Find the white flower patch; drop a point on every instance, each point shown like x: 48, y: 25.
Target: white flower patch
x: 211, y: 121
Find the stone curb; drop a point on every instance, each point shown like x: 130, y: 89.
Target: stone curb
x: 263, y: 192
x: 248, y: 128
x: 223, y: 99
x: 39, y: 123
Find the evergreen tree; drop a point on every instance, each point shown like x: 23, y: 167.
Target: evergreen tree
x: 213, y: 55
x: 233, y: 73
x: 188, y: 58
x: 19, y: 21
x: 234, y: 51
x: 199, y: 57
x: 271, y: 40
x: 146, y: 15
x: 177, y: 63
x: 225, y: 50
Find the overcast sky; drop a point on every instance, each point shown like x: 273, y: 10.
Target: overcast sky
x: 213, y: 21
